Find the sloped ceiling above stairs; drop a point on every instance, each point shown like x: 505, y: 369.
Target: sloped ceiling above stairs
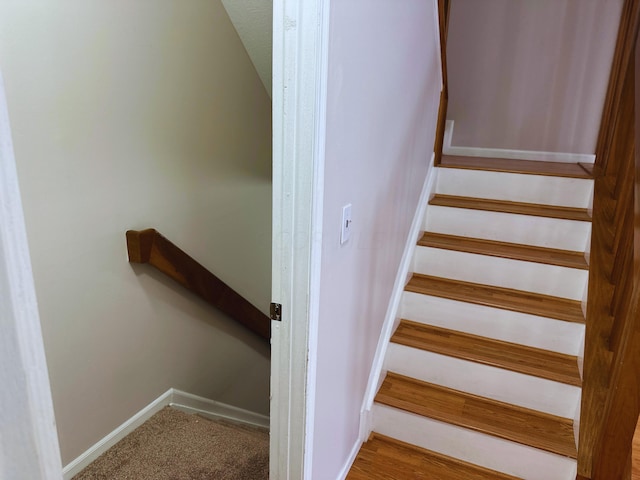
x: 253, y: 21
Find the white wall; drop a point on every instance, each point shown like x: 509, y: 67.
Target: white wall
x: 383, y: 92
x: 126, y: 115
x: 253, y: 20
x: 530, y: 75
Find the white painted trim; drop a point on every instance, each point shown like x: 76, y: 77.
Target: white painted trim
x: 100, y: 447
x: 316, y: 236
x: 28, y: 439
x: 189, y: 403
x: 300, y: 44
x: 449, y: 149
x: 366, y: 420
x: 448, y: 135
x: 391, y: 318
x: 180, y: 400
x: 344, y: 471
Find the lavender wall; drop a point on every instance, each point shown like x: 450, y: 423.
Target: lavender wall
x: 530, y: 75
x: 383, y: 92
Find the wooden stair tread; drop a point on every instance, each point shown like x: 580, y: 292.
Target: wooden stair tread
x: 588, y: 167
x: 510, y: 422
x: 530, y: 167
x: 384, y: 458
x: 554, y: 366
x: 504, y: 206
x: 498, y: 297
x: 529, y: 253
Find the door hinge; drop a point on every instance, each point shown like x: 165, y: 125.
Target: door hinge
x: 276, y: 311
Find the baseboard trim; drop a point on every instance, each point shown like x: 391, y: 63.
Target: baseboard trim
x: 391, y: 317
x: 83, y: 461
x: 190, y: 403
x: 181, y: 400
x: 449, y: 149
x: 350, y: 459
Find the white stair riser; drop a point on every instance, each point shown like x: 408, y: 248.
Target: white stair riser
x: 484, y: 380
x: 508, y: 227
x: 473, y: 447
x: 514, y: 187
x: 514, y: 327
x: 501, y: 272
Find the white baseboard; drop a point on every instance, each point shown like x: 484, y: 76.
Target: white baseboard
x: 391, y: 318
x: 83, y: 461
x: 350, y: 459
x: 181, y: 400
x: 193, y: 404
x: 448, y: 149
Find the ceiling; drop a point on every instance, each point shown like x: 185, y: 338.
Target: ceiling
x: 252, y: 20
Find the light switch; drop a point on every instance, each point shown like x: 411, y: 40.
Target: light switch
x: 345, y: 232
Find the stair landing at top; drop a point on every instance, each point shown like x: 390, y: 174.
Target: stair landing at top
x: 531, y: 167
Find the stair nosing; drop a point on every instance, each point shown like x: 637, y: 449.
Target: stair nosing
x: 424, y: 241
x: 573, y: 380
x: 570, y: 213
x: 513, y: 167
x: 497, y: 304
x: 484, y: 430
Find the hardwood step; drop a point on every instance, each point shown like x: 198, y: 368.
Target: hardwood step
x: 534, y: 209
x: 527, y: 391
x: 472, y: 446
x: 516, y: 251
x: 528, y: 427
x: 554, y: 366
x: 531, y: 167
x: 588, y: 167
x: 498, y: 297
x: 385, y: 458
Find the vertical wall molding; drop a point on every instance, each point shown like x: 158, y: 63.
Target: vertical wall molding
x: 33, y: 451
x: 300, y: 46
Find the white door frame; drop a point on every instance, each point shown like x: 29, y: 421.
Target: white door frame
x: 28, y: 439
x: 300, y: 44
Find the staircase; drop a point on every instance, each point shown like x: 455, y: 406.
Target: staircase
x: 481, y: 376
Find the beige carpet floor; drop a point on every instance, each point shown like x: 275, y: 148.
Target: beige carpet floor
x: 173, y: 445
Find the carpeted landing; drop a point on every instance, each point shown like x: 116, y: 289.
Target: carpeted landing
x: 173, y: 445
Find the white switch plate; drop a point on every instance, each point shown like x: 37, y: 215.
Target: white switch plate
x: 345, y: 232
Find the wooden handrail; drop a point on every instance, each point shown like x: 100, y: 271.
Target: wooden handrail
x: 149, y: 246
x: 444, y: 7
x: 611, y: 390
